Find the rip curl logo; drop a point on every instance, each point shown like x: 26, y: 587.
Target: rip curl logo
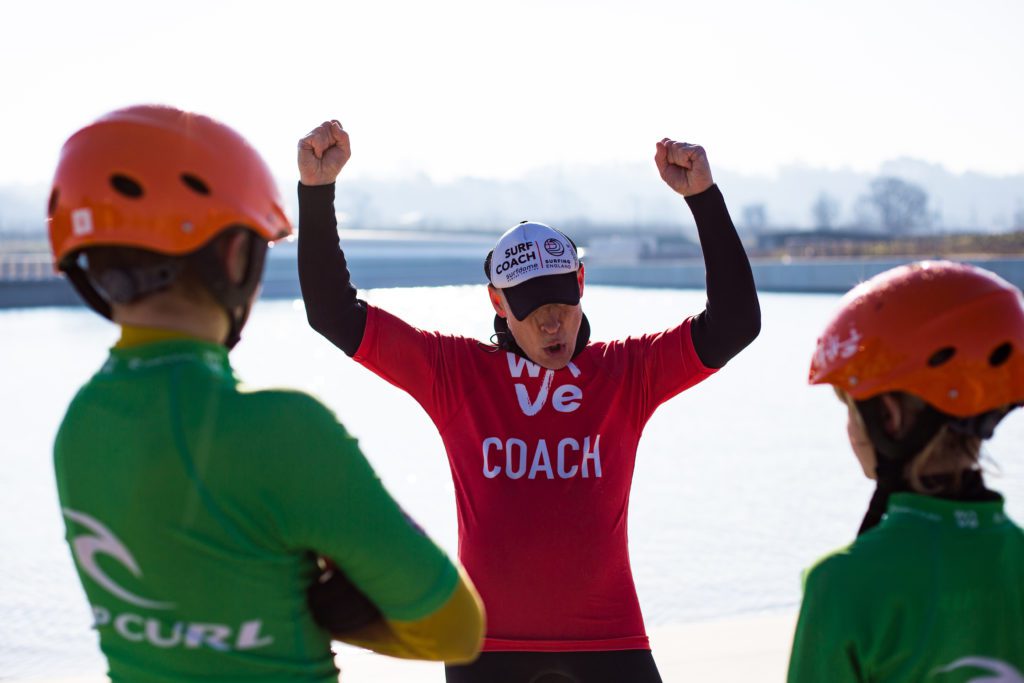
x: 160, y: 632
x: 996, y: 671
x: 102, y: 541
x: 554, y: 247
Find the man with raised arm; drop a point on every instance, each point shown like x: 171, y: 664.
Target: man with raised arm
x: 541, y: 428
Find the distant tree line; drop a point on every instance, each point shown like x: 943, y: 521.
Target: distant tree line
x: 891, y: 206
x: 839, y: 244
x: 896, y: 206
x: 891, y: 219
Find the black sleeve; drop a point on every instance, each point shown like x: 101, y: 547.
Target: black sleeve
x: 732, y: 317
x: 332, y: 308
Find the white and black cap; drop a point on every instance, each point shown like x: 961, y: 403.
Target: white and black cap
x: 534, y: 265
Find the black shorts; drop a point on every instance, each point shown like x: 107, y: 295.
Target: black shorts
x: 618, y: 666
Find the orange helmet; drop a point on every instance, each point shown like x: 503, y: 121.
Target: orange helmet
x: 949, y: 333
x: 160, y: 179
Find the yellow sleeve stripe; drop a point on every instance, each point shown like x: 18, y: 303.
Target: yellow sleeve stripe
x: 453, y: 633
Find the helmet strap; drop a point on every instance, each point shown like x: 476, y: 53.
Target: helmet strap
x: 234, y: 298
x: 982, y: 426
x: 125, y: 285
x: 119, y: 285
x: 83, y: 285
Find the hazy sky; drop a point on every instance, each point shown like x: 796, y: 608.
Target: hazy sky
x: 453, y: 87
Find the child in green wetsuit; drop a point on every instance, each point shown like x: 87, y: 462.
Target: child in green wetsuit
x: 197, y: 510
x: 928, y: 358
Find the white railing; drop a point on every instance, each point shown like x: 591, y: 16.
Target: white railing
x: 22, y: 267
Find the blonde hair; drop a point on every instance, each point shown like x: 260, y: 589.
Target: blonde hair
x: 948, y: 452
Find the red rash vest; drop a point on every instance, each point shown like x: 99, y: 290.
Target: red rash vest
x: 542, y: 462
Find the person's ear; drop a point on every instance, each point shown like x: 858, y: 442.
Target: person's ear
x: 580, y: 278
x: 497, y: 301
x: 236, y: 255
x: 894, y: 415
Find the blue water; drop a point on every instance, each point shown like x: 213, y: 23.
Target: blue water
x: 740, y: 482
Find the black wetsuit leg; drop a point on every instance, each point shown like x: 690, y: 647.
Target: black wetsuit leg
x: 619, y: 666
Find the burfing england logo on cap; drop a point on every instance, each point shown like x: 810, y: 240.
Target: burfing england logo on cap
x: 531, y: 250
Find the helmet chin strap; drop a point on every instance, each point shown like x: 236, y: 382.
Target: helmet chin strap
x: 120, y: 285
x: 128, y: 285
x: 234, y: 298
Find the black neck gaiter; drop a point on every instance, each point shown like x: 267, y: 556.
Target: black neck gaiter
x: 503, y: 338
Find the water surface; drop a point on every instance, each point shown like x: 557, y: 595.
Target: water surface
x: 740, y: 482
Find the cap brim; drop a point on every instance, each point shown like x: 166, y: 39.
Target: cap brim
x: 528, y: 296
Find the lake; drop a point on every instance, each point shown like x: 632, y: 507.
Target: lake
x: 740, y: 482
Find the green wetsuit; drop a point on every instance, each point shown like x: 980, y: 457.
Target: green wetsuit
x: 195, y: 508
x: 934, y: 593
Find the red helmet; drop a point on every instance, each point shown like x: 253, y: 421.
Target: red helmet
x: 949, y: 333
x: 159, y: 179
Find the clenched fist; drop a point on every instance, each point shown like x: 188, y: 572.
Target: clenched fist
x: 323, y: 153
x: 683, y: 167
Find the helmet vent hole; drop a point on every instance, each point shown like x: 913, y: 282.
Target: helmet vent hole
x: 1000, y: 355
x: 195, y: 184
x: 126, y: 186
x: 941, y: 357
x: 52, y: 206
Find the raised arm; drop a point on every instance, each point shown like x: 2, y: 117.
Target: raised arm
x: 731, y: 319
x: 332, y: 308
